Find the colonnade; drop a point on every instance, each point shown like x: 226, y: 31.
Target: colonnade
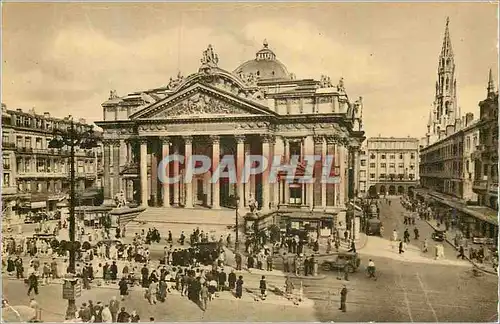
x: 143, y: 155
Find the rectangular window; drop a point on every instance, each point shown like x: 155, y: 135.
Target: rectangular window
x: 382, y: 176
x: 27, y: 142
x: 6, y: 180
x: 27, y: 165
x: 392, y: 165
x: 383, y: 165
x: 412, y: 166
x: 5, y: 139
x: 401, y: 165
x: 400, y: 156
x: 363, y: 162
x: 38, y: 143
x: 382, y: 157
x: 372, y: 165
x: 372, y: 175
x: 392, y: 156
x: 19, y: 141
x: 362, y: 173
x: 40, y: 165
x: 6, y: 163
x: 412, y: 156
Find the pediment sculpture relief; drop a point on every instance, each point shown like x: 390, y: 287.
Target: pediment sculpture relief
x: 201, y: 104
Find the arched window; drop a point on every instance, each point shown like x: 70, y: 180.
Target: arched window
x: 447, y: 83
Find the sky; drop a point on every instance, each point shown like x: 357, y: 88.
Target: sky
x: 64, y: 58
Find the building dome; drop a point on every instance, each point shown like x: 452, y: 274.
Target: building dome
x: 264, y: 66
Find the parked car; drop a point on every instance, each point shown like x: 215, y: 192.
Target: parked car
x: 342, y: 261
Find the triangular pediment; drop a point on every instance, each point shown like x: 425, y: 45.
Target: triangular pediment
x: 201, y: 101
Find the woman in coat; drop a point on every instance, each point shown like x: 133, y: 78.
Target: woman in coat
x: 123, y: 288
x: 239, y: 287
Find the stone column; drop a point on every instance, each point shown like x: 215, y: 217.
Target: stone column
x: 309, y: 150
x: 343, y: 175
x: 248, y: 185
x: 286, y: 189
x: 279, y: 150
x: 116, y: 167
x: 323, y: 183
x: 215, y: 163
x: 240, y: 158
x: 188, y: 151
x: 165, y: 146
x: 175, y: 170
x: 107, y: 167
x: 265, y: 175
x: 154, y: 174
x: 143, y: 165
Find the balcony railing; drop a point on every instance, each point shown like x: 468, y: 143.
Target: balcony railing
x: 480, y: 184
x: 6, y: 145
x: 9, y: 190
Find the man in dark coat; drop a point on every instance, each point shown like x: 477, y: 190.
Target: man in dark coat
x: 232, y: 279
x: 114, y: 270
x: 238, y: 260
x: 145, y: 276
x: 33, y: 283
x: 343, y: 298
x: 222, y: 280
x: 123, y: 287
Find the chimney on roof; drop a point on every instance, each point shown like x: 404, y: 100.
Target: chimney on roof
x: 46, y: 114
x: 469, y: 117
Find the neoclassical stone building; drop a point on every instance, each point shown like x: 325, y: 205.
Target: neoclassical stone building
x: 259, y: 108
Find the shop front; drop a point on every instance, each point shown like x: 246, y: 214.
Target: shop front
x: 298, y: 223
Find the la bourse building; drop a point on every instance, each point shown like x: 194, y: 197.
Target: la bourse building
x: 259, y: 108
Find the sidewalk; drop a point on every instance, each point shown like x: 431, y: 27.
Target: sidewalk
x: 450, y: 235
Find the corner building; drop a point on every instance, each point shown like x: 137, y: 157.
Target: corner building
x: 259, y: 108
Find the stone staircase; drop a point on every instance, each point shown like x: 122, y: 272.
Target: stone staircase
x: 196, y: 216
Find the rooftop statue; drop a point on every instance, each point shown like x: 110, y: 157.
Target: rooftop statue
x: 209, y: 57
x: 340, y: 86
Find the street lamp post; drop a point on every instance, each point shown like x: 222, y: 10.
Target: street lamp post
x: 85, y: 140
x: 237, y: 240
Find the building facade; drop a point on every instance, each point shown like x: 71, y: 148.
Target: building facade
x: 363, y: 172
x: 458, y: 174
x: 392, y: 165
x: 36, y: 177
x: 447, y: 166
x: 486, y: 157
x: 258, y: 109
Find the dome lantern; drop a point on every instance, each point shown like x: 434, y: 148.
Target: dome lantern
x: 264, y: 66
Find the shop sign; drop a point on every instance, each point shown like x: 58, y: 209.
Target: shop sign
x: 38, y: 204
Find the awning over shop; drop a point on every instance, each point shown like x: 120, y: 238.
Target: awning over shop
x: 38, y: 204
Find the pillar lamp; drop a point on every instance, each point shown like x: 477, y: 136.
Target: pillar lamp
x: 85, y: 139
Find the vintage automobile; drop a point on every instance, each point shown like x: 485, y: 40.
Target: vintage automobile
x: 439, y: 235
x: 374, y: 227
x: 342, y: 261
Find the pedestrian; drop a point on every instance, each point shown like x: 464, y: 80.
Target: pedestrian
x: 123, y: 316
x: 232, y: 280
x: 415, y: 231
x: 343, y: 298
x: 114, y: 307
x: 425, y: 247
x: 263, y: 287
x: 286, y: 266
x: 288, y: 287
x: 401, y: 247
x: 238, y: 260
x: 269, y: 262
x: 461, y: 252
x: 239, y: 287
x: 106, y: 315
x: 134, y: 317
x: 33, y: 283
x: 204, y: 297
